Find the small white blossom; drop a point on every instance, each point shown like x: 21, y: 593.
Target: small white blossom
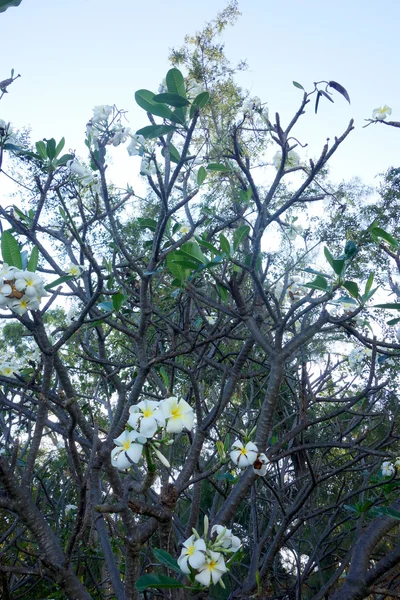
x: 225, y: 538
x: 260, y: 465
x: 129, y: 449
x: 387, y: 469
x: 243, y: 456
x: 101, y: 113
x: 146, y: 417
x: 193, y: 554
x: 212, y: 570
x: 147, y: 167
x: 381, y: 113
x: 74, y: 270
x: 178, y: 414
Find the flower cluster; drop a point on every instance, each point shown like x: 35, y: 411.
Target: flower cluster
x: 20, y: 290
x: 251, y: 106
x: 294, y: 289
x: 84, y: 174
x: 246, y: 455
x: 99, y: 129
x: 292, y: 160
x: 388, y: 468
x: 146, y: 419
x: 357, y: 358
x: 137, y: 145
x: 203, y: 557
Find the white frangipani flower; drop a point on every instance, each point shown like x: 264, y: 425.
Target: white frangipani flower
x: 381, y: 113
x: 9, y: 369
x: 212, y: 570
x: 147, y: 167
x: 387, y: 469
x: 260, y: 465
x: 136, y: 145
x: 292, y: 160
x: 101, y: 113
x: 146, y: 417
x: 74, y: 269
x: 243, y: 456
x: 225, y: 538
x: 129, y: 449
x: 178, y: 413
x: 193, y: 554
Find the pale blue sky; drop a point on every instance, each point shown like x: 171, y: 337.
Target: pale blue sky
x: 77, y: 54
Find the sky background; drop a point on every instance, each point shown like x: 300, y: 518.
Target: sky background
x: 81, y: 53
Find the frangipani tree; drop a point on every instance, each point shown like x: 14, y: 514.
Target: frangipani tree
x: 190, y: 407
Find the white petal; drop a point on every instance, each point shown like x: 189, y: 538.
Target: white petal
x: 204, y: 577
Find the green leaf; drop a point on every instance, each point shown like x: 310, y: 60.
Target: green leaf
x: 60, y: 146
x: 218, y: 167
x: 339, y: 88
x: 224, y: 243
x: 10, y: 250
x: 162, y: 556
x: 338, y: 265
x: 154, y: 131
x: 157, y: 581
x: 117, y: 300
x: 393, y: 321
x: 223, y: 292
x: 107, y: 306
x: 207, y: 245
x: 201, y: 175
x: 192, y: 249
x: 145, y: 100
x: 379, y: 233
x: 33, y: 260
x: 319, y: 283
x: 51, y: 148
x: 387, y: 512
x: 58, y: 281
x: 147, y: 224
x: 177, y: 271
x: 173, y: 153
x: 60, y: 162
x: 171, y: 99
x: 41, y: 150
x: 240, y: 234
x: 314, y: 272
x: 389, y: 306
x: 13, y: 147
x: 185, y: 262
x: 350, y: 249
x: 165, y: 379
x: 298, y: 85
x: 369, y: 283
x: 352, y: 288
x: 4, y: 4
x: 175, y: 82
x: 201, y: 100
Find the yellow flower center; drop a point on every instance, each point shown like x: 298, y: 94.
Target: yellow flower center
x: 212, y: 565
x: 147, y: 412
x: 176, y: 412
x: 126, y: 445
x: 190, y: 550
x: 243, y: 451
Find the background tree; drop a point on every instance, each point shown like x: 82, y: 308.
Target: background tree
x: 202, y: 337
